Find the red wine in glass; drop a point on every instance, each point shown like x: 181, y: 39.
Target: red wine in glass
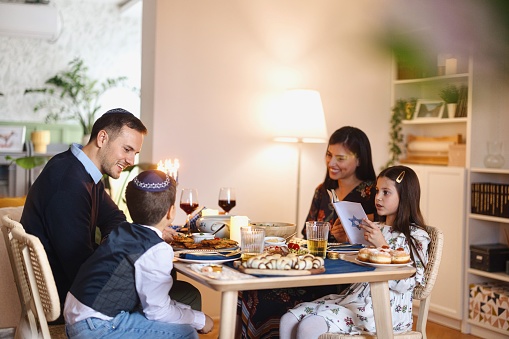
x: 227, y: 199
x: 189, y: 208
x: 227, y: 205
x: 189, y: 203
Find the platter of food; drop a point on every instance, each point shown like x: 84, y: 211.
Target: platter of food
x: 183, y: 242
x: 262, y: 271
x: 383, y: 257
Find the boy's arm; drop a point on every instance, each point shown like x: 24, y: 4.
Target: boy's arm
x: 154, y: 281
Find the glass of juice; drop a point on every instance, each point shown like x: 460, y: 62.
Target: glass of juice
x: 317, y: 233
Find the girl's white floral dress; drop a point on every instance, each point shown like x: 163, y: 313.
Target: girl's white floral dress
x: 352, y: 310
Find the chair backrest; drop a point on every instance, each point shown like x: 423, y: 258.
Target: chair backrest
x: 434, y: 257
x: 36, y: 285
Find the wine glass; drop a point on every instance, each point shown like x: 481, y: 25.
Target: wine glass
x: 189, y: 203
x: 227, y: 199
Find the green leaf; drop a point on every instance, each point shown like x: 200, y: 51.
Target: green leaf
x: 29, y: 162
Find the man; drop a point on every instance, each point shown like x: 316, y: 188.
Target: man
x: 67, y: 201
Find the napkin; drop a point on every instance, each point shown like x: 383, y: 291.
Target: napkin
x: 204, y: 256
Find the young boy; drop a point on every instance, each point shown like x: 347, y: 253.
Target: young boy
x: 121, y: 291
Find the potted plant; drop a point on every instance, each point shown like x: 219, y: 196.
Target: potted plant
x: 73, y: 96
x: 450, y: 94
x: 401, y: 111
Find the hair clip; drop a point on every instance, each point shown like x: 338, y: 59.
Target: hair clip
x: 400, y: 177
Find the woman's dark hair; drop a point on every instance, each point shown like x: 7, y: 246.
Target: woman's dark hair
x: 113, y: 120
x: 409, y: 192
x: 148, y: 208
x: 358, y: 143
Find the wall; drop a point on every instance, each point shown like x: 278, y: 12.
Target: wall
x: 217, y: 68
x: 93, y: 30
x: 214, y: 70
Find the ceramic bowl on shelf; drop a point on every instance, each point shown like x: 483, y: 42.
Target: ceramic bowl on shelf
x: 198, y: 237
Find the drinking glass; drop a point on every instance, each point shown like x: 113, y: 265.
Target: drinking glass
x: 189, y: 203
x: 227, y: 199
x: 317, y: 233
x: 251, y: 242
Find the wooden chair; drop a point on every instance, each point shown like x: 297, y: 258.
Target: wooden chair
x: 34, y: 279
x: 421, y: 293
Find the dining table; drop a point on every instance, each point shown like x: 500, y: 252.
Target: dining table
x: 377, y: 277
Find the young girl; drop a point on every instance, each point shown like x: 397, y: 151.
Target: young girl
x: 397, y: 204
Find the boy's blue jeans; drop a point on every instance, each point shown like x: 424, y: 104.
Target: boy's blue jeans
x: 129, y: 325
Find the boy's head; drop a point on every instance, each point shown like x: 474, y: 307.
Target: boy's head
x: 149, y: 196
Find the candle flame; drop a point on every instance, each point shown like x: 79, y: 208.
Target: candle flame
x: 169, y: 167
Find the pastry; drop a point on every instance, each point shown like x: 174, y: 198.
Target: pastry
x: 364, y: 253
x: 380, y: 257
x: 400, y: 256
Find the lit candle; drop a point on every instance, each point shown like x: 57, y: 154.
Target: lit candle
x: 236, y: 222
x: 170, y: 168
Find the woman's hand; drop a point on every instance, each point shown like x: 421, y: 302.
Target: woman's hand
x: 338, y: 231
x: 372, y: 233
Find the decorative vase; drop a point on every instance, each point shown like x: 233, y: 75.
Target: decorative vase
x: 494, y: 159
x: 451, y: 110
x: 40, y: 139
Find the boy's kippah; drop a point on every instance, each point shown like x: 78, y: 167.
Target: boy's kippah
x: 152, y: 181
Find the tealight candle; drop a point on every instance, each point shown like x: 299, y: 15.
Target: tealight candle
x: 236, y: 222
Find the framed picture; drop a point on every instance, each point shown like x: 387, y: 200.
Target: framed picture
x: 12, y: 138
x: 429, y: 109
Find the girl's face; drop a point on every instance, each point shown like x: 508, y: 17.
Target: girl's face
x: 341, y: 162
x: 386, y: 199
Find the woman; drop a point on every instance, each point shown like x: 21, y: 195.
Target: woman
x: 350, y: 176
x: 397, y: 204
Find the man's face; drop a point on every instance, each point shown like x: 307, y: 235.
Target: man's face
x: 119, y: 153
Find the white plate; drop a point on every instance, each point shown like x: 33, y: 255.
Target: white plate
x: 383, y: 265
x: 345, y: 251
x: 202, y: 261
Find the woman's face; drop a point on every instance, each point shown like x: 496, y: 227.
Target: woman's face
x: 341, y: 162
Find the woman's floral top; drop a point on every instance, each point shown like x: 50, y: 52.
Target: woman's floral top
x: 322, y: 209
x: 352, y: 310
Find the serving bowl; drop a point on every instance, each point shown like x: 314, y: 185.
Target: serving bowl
x: 211, y: 223
x: 198, y: 237
x: 276, y: 229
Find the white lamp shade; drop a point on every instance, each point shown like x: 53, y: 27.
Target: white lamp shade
x: 300, y: 117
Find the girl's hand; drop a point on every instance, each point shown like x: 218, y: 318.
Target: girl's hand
x: 338, y: 231
x: 372, y: 233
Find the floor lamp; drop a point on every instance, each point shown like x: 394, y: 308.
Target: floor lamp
x: 302, y: 121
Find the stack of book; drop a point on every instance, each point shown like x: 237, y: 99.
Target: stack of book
x: 490, y: 199
x: 461, y: 110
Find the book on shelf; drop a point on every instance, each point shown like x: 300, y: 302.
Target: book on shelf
x: 461, y: 110
x: 490, y: 199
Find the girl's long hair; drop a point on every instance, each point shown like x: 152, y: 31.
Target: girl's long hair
x: 409, y: 211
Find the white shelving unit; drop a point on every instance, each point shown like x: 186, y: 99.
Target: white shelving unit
x: 443, y: 188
